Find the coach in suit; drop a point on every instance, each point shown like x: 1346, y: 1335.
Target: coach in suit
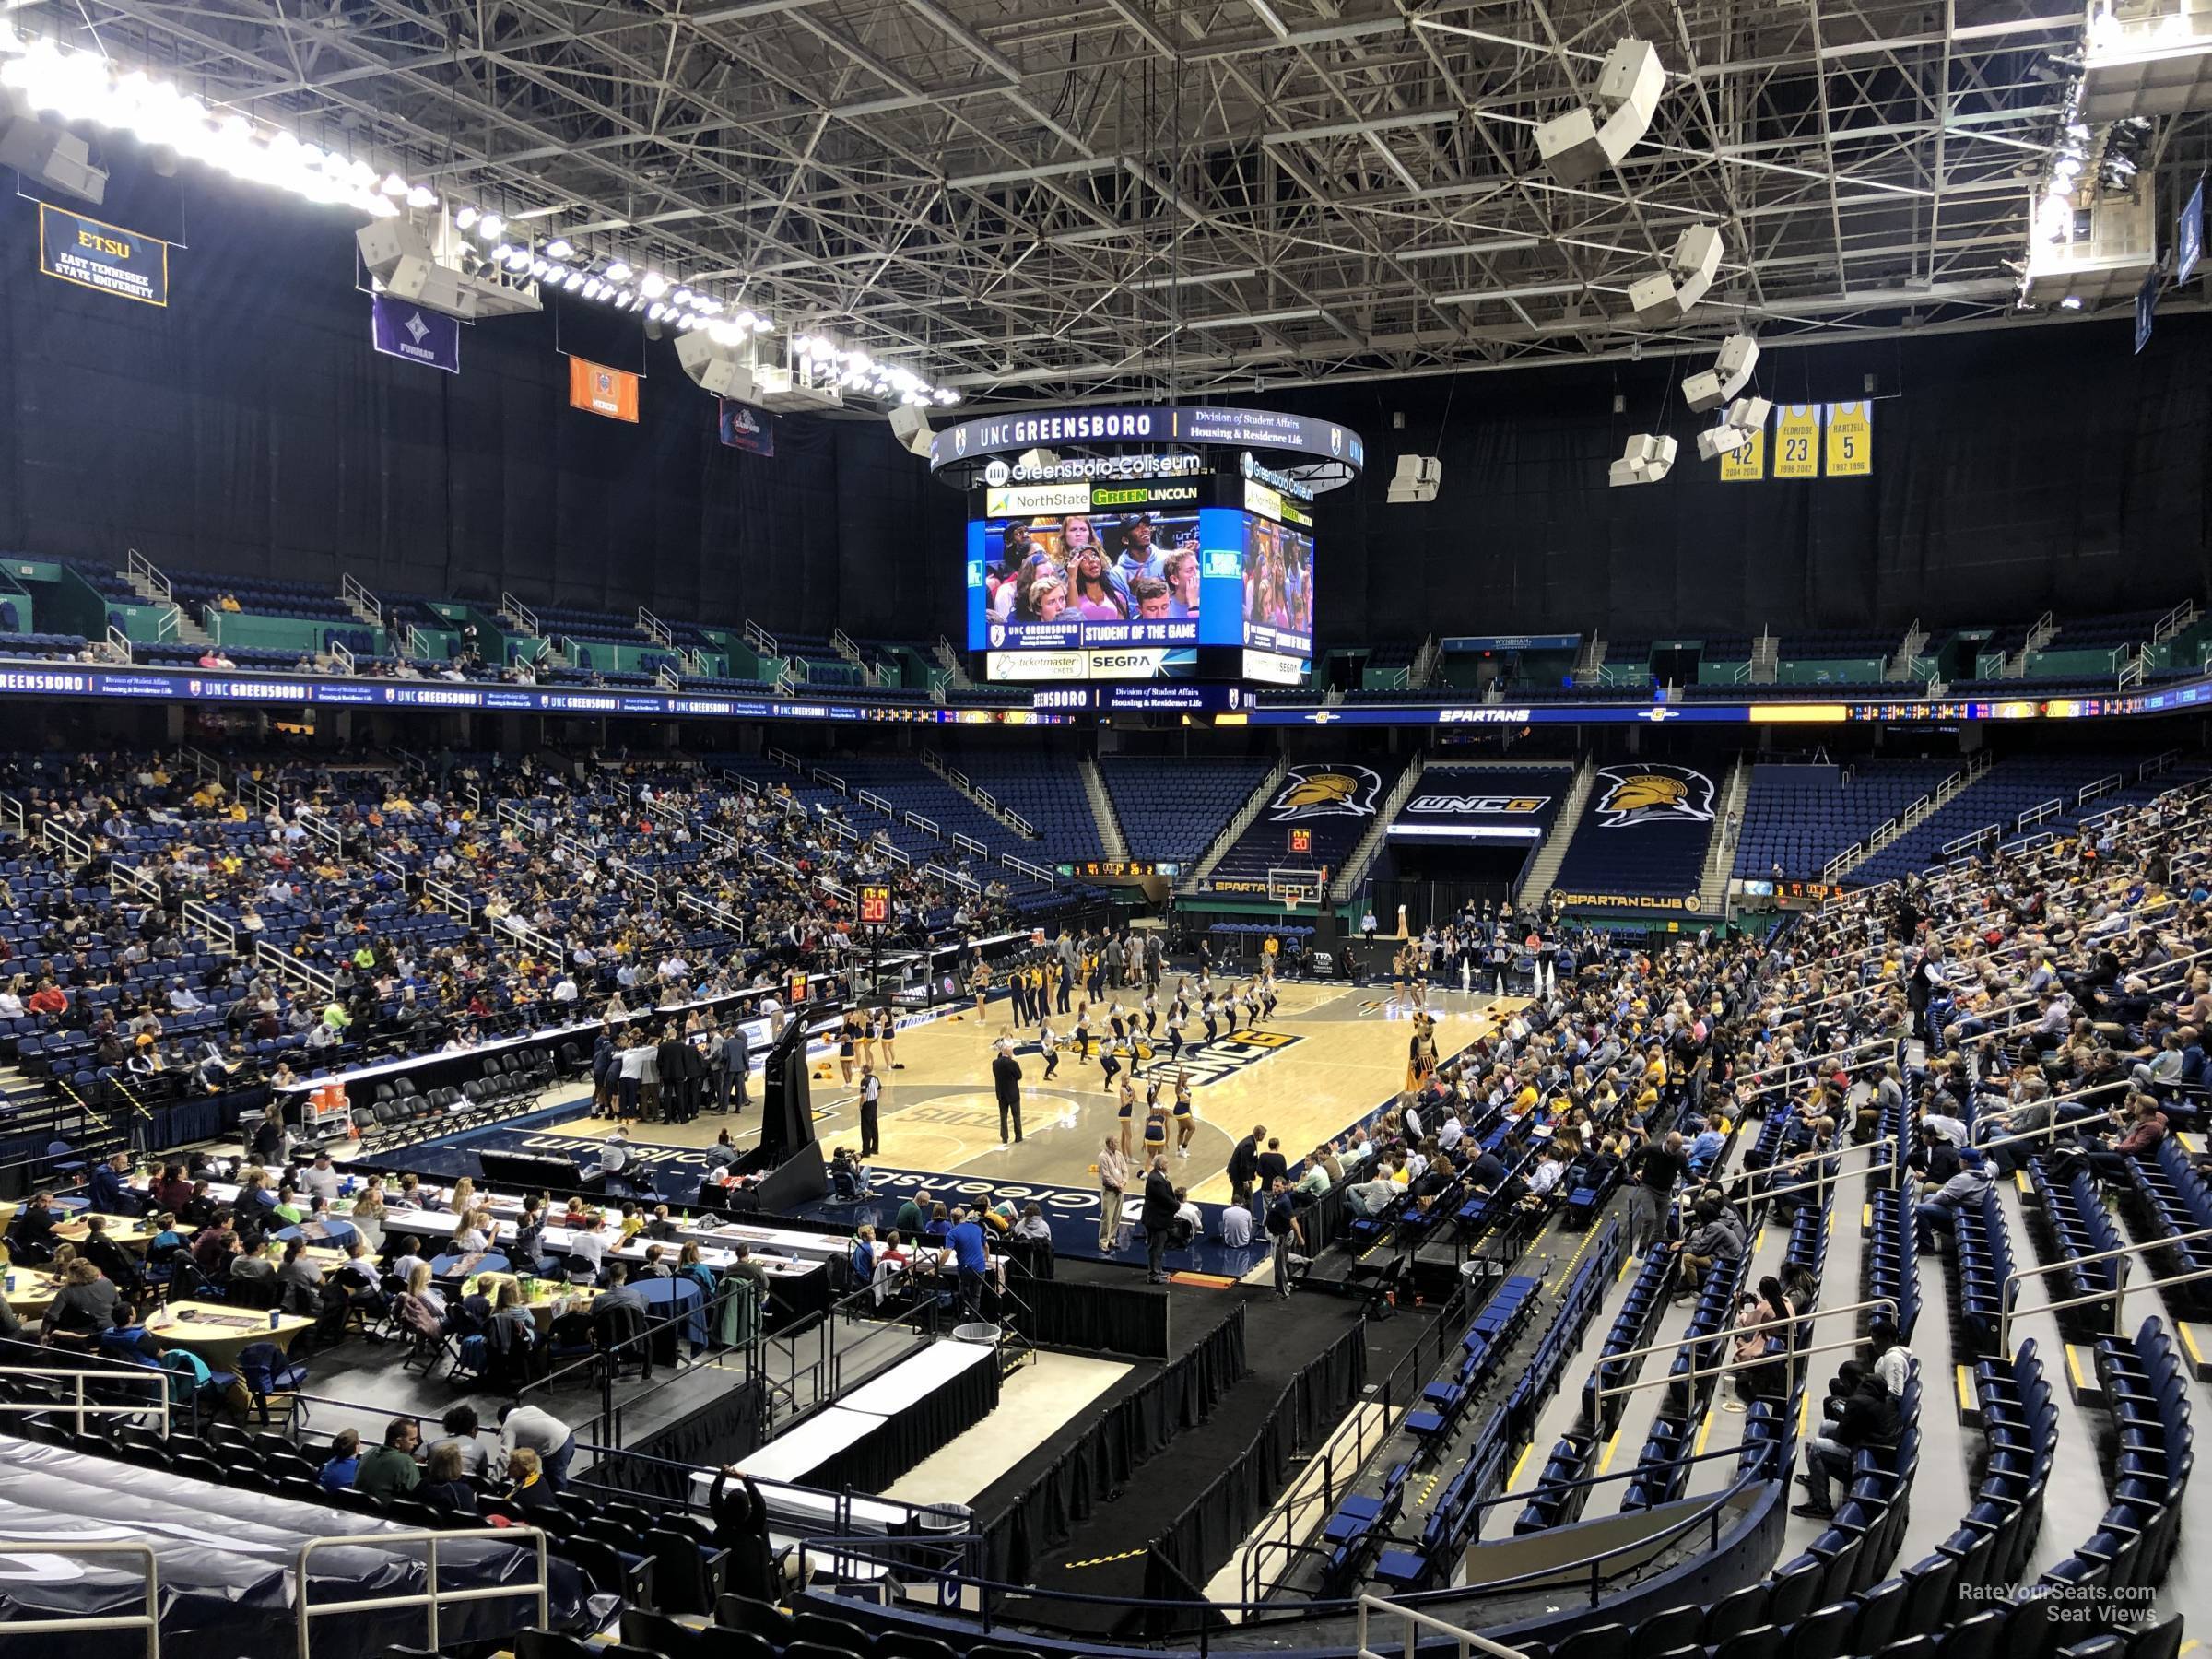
x: 737, y: 1058
x: 670, y: 1062
x: 1244, y: 1170
x: 1006, y: 1077
x: 1158, y: 1216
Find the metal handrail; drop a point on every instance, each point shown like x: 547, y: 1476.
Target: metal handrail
x: 1417, y: 1620
x: 430, y: 1595
x: 2008, y: 1312
x: 79, y: 1408
x: 1683, y: 1342
x: 149, y: 1621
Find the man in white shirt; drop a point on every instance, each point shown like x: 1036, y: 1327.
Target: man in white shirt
x: 564, y: 989
x: 1236, y: 1226
x: 541, y: 1432
x: 319, y: 1178
x: 589, y: 1244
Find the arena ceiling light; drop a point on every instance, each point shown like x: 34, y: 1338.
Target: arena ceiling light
x: 857, y: 371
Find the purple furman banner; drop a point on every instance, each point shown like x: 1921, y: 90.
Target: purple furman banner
x: 400, y: 328
x: 745, y: 427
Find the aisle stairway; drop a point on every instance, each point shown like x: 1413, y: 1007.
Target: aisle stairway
x: 1545, y: 869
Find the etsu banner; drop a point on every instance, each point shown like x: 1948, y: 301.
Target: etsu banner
x: 402, y: 329
x: 102, y: 256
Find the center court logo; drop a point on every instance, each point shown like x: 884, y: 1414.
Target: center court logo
x: 1313, y: 792
x: 1655, y: 794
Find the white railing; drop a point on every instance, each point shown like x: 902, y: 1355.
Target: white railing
x: 450, y: 899
x: 137, y: 564
x: 868, y: 798
x: 655, y: 627
x: 430, y: 1598
x: 1035, y: 871
x: 203, y: 765
x: 359, y: 597
x: 829, y: 780
x: 318, y: 824
x: 2173, y: 621
x: 134, y: 879
x: 220, y: 933
x: 168, y: 624
x: 524, y: 616
x: 147, y: 1622
x: 1959, y: 846
x: 729, y: 919
x: 666, y: 677
x: 341, y: 656
x: 417, y: 645
x: 60, y: 838
x: 927, y: 825
x: 2038, y: 812
x: 119, y: 642
x: 784, y: 758
x: 271, y: 956
x: 762, y: 640
x: 11, y: 815
x: 968, y: 844
x: 2103, y: 786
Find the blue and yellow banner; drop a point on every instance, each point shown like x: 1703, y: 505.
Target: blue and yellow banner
x: 102, y: 256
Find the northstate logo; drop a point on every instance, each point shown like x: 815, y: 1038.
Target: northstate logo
x: 1651, y: 794
x: 1324, y: 792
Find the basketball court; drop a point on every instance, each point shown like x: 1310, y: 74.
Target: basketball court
x: 1331, y: 1054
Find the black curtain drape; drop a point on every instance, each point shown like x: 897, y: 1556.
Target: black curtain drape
x: 1198, y: 1540
x: 1111, y: 1450
x: 722, y: 1430
x: 1113, y: 1319
x: 925, y: 1425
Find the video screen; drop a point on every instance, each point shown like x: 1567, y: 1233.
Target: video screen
x: 1278, y: 587
x: 1089, y: 579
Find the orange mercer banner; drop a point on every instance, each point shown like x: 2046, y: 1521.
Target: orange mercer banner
x: 609, y: 392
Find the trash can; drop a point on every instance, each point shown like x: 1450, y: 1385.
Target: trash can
x: 983, y: 1333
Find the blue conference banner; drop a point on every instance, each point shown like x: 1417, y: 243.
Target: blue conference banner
x: 2147, y: 308
x: 106, y: 258
x: 400, y: 328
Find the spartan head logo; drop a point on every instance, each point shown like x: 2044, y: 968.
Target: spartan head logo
x: 1325, y: 791
x: 1650, y: 794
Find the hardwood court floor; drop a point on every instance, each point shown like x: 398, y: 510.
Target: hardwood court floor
x: 1331, y: 1054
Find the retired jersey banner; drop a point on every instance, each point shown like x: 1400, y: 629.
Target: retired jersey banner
x: 745, y: 427
x: 1850, y: 439
x: 599, y: 390
x: 1797, y: 441
x: 1746, y: 463
x: 102, y: 256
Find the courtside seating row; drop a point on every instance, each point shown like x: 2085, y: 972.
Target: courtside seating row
x: 1982, y: 1246
x: 1663, y: 1466
x: 1359, y: 1522
x: 2177, y: 1201
x: 1855, y: 1548
x: 2020, y: 1424
x: 1489, y: 1336
x: 401, y: 1113
x: 1443, y: 1535
x: 2081, y: 1226
x: 2148, y: 1392
x: 1631, y: 1330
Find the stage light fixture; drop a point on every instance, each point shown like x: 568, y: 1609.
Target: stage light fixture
x: 560, y: 248
x: 1576, y: 146
x: 47, y: 154
x: 652, y: 285
x: 490, y: 226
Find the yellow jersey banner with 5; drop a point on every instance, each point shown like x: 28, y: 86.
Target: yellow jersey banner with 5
x: 1850, y: 439
x: 1797, y: 441
x: 1746, y: 463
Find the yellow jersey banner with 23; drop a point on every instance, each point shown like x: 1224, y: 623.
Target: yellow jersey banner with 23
x: 1850, y: 439
x: 1797, y: 441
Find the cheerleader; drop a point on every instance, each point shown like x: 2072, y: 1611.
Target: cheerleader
x: 1081, y: 1036
x: 871, y: 1027
x: 1126, y: 1111
x: 1178, y: 1016
x: 890, y: 1042
x: 1156, y: 1130
x: 1185, y: 1125
x: 1116, y: 1023
x: 1151, y: 1014
x: 848, y: 1039
x: 1048, y: 1046
x: 980, y: 983
x: 1110, y: 1060
x: 1206, y: 1013
x: 1267, y: 997
x: 1397, y: 976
